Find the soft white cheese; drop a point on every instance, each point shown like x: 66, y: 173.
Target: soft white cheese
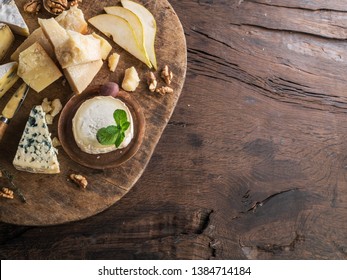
x: 94, y: 114
x: 10, y: 15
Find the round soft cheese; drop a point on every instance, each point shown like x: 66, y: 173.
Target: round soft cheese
x: 94, y: 114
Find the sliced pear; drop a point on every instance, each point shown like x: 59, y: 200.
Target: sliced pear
x: 122, y: 34
x: 133, y: 20
x: 149, y: 27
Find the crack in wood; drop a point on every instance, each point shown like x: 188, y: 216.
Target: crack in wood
x: 296, y: 7
x: 276, y: 248
x: 258, y: 204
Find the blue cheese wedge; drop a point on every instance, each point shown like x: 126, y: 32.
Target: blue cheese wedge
x: 94, y: 114
x: 35, y: 152
x: 10, y: 15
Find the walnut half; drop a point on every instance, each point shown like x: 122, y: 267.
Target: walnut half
x: 80, y: 180
x: 32, y: 6
x: 167, y: 75
x: 6, y: 193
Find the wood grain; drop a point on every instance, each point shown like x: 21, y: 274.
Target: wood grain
x: 252, y: 164
x: 54, y: 199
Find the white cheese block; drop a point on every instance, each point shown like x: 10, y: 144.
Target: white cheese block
x: 71, y: 48
x: 80, y: 76
x: 35, y: 151
x: 78, y: 49
x: 6, y: 41
x: 94, y: 114
x: 73, y: 19
x: 8, y: 76
x: 10, y: 15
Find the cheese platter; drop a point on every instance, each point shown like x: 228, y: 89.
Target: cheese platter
x: 67, y: 54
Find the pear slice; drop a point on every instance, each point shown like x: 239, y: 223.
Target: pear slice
x: 134, y: 22
x: 122, y: 34
x: 149, y: 27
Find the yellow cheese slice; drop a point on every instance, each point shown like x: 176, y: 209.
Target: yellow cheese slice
x: 36, y: 68
x: 8, y: 76
x: 12, y: 105
x: 6, y: 41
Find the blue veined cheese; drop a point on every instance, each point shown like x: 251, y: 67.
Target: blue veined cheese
x: 35, y: 151
x: 10, y: 15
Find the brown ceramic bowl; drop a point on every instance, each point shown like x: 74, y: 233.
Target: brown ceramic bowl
x: 106, y: 160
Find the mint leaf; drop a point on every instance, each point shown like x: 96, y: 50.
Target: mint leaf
x: 114, y: 134
x: 107, y: 135
x: 120, y: 116
x: 125, y: 126
x: 120, y: 138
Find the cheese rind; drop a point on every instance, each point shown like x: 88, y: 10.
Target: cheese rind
x: 36, y: 68
x: 10, y: 15
x: 35, y: 152
x: 6, y: 41
x: 8, y: 76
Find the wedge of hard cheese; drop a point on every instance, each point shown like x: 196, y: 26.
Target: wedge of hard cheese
x: 35, y: 152
x: 80, y: 76
x: 84, y: 63
x: 10, y: 15
x: 72, y: 19
x: 71, y: 48
x: 36, y: 68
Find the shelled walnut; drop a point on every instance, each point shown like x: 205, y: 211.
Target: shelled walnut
x: 56, y: 7
x: 152, y: 82
x: 167, y: 75
x: 164, y: 90
x: 32, y: 6
x: 80, y: 180
x: 6, y: 193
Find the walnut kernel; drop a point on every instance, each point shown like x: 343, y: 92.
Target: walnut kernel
x: 80, y: 180
x: 152, y: 82
x: 164, y: 90
x: 32, y: 6
x: 167, y: 75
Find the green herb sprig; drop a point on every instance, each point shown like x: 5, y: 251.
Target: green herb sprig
x: 114, y: 134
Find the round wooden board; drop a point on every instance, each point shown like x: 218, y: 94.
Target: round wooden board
x: 53, y: 199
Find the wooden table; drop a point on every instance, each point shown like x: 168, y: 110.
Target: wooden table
x: 252, y: 164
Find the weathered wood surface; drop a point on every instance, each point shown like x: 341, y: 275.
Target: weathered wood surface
x: 253, y: 162
x: 53, y: 199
